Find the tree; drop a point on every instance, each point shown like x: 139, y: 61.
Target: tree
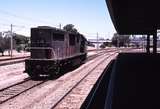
x: 19, y: 42
x: 4, y: 43
x: 70, y: 28
x: 20, y: 39
x: 1, y: 44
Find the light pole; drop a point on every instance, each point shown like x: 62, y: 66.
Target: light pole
x: 11, y: 41
x: 60, y: 25
x: 97, y: 42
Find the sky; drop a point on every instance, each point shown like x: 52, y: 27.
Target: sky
x: 88, y: 16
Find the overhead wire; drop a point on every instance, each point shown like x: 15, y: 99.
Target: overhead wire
x: 28, y: 19
x: 23, y: 17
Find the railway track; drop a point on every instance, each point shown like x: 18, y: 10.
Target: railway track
x: 12, y: 61
x: 80, y: 81
x: 8, y: 74
x: 14, y: 74
x: 55, y: 94
x: 17, y: 89
x: 66, y: 88
x: 6, y: 59
x: 6, y: 94
x: 100, y: 53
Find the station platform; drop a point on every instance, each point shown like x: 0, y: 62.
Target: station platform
x: 131, y: 81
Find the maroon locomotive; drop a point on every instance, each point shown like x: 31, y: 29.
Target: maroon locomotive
x: 52, y: 49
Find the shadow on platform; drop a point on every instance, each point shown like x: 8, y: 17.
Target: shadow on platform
x: 129, y: 82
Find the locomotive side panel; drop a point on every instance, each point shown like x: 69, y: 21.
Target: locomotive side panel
x: 72, y: 44
x: 59, y: 45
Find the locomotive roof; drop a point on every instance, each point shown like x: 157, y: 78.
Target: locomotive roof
x: 49, y: 27
x: 134, y: 16
x: 58, y: 30
x: 83, y: 37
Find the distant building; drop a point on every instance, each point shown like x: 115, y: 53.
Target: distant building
x: 99, y: 42
x: 142, y: 42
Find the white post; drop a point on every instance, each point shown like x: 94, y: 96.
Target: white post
x: 11, y: 42
x: 97, y: 42
x: 60, y: 25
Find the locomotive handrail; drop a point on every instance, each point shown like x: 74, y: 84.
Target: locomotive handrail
x: 39, y: 48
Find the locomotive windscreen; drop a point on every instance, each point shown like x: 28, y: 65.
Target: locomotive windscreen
x: 40, y: 37
x: 58, y: 37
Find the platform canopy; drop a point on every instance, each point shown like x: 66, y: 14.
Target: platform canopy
x: 135, y: 16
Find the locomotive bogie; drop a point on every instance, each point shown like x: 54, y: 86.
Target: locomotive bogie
x: 36, y: 68
x: 39, y: 67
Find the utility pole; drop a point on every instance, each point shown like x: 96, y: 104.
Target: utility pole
x: 60, y: 25
x: 118, y: 42
x: 11, y: 41
x: 97, y: 42
x: 155, y: 42
x: 148, y: 43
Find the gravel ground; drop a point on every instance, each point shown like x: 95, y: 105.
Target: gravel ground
x: 12, y: 67
x: 41, y: 97
x: 12, y: 80
x: 9, y: 72
x: 75, y: 99
x: 49, y: 101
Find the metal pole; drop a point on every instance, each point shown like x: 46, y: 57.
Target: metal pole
x: 11, y: 41
x: 97, y: 42
x: 60, y: 25
x: 118, y: 42
x: 148, y: 43
x: 155, y: 42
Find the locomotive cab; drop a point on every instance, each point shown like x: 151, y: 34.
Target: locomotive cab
x: 46, y: 43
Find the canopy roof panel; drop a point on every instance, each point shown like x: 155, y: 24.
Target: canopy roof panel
x: 134, y: 16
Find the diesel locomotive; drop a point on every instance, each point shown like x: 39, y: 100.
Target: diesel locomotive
x: 52, y: 49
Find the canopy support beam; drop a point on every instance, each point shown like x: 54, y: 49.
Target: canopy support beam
x: 148, y: 43
x: 155, y: 42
